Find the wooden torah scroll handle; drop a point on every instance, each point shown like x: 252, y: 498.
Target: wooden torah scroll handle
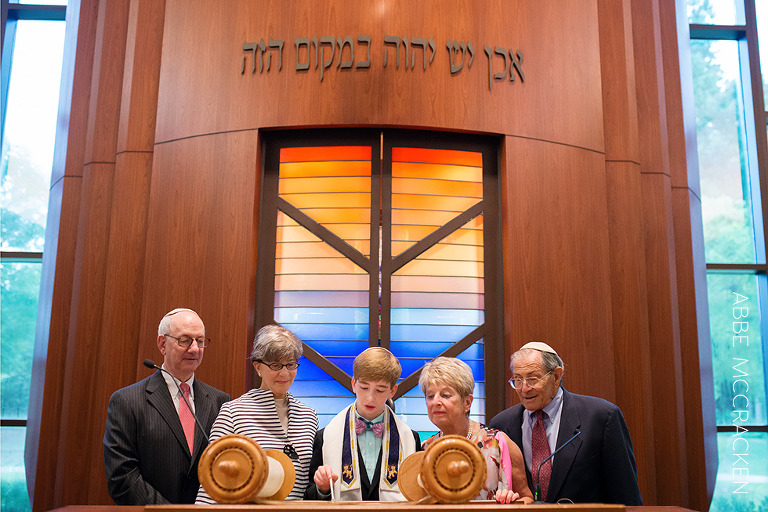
x: 453, y: 470
x: 235, y: 469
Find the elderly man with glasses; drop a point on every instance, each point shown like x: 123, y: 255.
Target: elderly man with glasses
x: 153, y: 442
x: 596, y: 463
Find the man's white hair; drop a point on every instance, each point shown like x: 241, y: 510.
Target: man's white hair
x: 165, y: 324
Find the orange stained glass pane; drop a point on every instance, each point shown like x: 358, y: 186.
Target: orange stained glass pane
x: 437, y: 171
x: 318, y: 185
x: 351, y: 282
x: 356, y: 235
x: 419, y: 267
x: 305, y: 250
x: 352, y: 200
x: 410, y: 232
x: 437, y: 284
x: 328, y: 216
x: 325, y: 153
x: 322, y: 169
x: 448, y: 156
x: 428, y: 202
x: 453, y: 252
x: 314, y: 265
x: 421, y: 217
x: 436, y: 187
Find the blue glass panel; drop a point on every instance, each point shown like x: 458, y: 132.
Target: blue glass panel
x: 292, y: 298
x: 344, y: 363
x: 349, y: 348
x: 322, y: 315
x: 328, y: 332
x: 13, y: 480
x: 429, y: 332
x: 431, y: 349
x: 438, y: 316
x: 318, y: 388
x: 742, y: 476
x: 737, y: 349
x: 309, y: 370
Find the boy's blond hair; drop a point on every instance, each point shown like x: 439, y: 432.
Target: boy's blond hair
x: 376, y: 364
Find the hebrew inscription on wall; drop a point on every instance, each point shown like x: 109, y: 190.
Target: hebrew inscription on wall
x: 327, y: 54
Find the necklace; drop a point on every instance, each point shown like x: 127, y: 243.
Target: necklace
x: 470, y: 431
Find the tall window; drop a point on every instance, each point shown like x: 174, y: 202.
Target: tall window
x: 731, y: 131
x: 378, y: 239
x: 31, y: 69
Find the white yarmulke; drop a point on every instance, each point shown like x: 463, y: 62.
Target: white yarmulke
x: 540, y: 346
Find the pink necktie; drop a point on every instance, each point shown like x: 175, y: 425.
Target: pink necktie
x: 539, y: 452
x: 187, y: 420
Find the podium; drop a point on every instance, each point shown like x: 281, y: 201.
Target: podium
x: 371, y: 506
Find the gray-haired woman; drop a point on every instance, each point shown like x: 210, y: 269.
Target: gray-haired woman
x: 269, y: 414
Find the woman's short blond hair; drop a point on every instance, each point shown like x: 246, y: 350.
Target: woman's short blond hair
x: 452, y: 372
x: 376, y: 364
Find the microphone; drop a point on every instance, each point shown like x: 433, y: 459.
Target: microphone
x: 537, y: 489
x: 151, y: 364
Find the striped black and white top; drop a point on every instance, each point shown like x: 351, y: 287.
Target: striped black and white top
x: 254, y: 415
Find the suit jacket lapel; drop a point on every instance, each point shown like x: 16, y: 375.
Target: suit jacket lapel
x: 203, y: 411
x: 570, y: 422
x: 159, y: 398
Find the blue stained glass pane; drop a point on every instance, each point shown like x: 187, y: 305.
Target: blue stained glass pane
x: 344, y: 363
x: 429, y: 332
x: 432, y: 349
x: 328, y: 331
x: 328, y: 405
x: 413, y: 316
x: 327, y: 298
x: 322, y: 315
x: 330, y: 348
x: 309, y: 370
x: 318, y: 388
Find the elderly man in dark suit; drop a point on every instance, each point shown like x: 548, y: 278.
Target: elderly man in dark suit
x: 151, y: 444
x: 598, y: 465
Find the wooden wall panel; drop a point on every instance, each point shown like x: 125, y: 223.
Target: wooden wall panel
x: 556, y: 259
x: 558, y: 39
x: 141, y: 74
x: 199, y: 250
x: 629, y: 294
x: 664, y: 329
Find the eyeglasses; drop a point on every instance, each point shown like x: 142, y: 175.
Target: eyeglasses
x: 290, y: 451
x: 518, y: 382
x: 185, y: 341
x: 276, y: 367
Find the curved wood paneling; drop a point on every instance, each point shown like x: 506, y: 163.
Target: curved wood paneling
x: 559, y: 100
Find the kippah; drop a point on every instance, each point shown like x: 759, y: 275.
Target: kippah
x: 540, y: 346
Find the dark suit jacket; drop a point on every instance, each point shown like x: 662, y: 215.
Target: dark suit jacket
x: 369, y: 486
x: 599, y: 465
x: 146, y: 457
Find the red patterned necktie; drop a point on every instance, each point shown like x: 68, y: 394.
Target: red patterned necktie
x: 539, y: 452
x: 187, y: 420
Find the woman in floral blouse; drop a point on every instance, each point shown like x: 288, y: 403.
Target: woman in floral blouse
x: 447, y: 384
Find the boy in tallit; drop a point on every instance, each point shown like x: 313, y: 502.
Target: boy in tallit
x: 361, y: 449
